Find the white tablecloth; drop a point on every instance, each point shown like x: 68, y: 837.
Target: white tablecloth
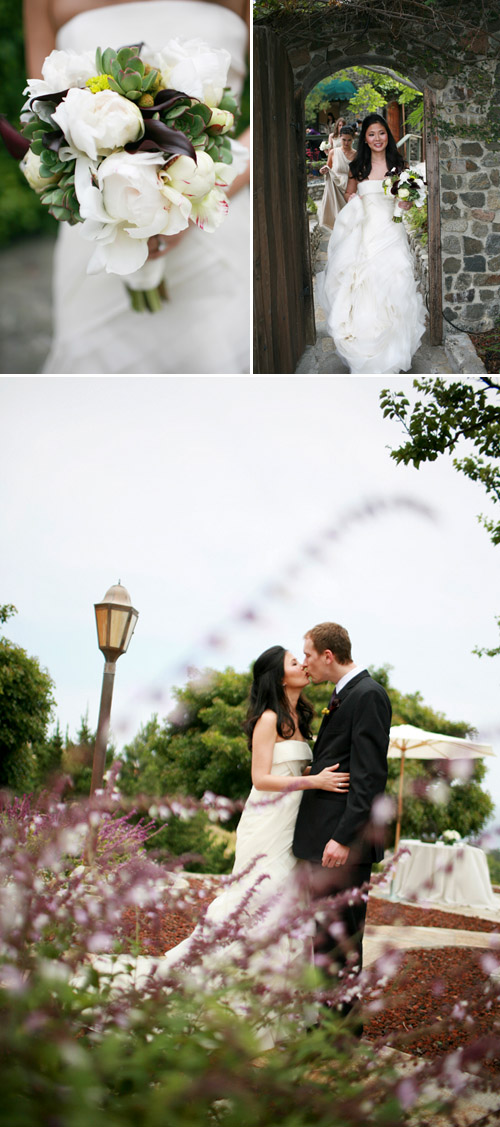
x: 450, y: 874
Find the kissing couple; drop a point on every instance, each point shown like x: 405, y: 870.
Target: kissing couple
x: 305, y: 832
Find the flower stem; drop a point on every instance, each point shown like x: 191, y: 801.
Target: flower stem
x: 148, y: 301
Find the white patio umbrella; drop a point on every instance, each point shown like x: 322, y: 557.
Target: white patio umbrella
x: 408, y: 742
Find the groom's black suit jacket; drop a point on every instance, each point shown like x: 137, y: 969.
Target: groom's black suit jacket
x: 356, y: 736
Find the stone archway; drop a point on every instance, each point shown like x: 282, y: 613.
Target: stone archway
x: 464, y: 199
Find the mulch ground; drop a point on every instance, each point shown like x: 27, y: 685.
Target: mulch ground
x: 418, y: 1001
x: 382, y: 912
x: 487, y: 346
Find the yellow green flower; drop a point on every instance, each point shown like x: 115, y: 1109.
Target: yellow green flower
x: 98, y: 83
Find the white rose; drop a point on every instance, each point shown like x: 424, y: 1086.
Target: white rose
x: 129, y: 205
x: 61, y: 71
x: 191, y: 179
x: 98, y: 124
x: 403, y: 193
x: 194, y: 68
x: 30, y: 165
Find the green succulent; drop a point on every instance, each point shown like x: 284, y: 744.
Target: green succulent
x: 60, y: 198
x: 127, y: 74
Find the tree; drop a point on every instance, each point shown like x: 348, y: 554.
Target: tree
x: 26, y: 704
x: 375, y: 88
x: 202, y: 747
x: 450, y: 413
x: 78, y: 757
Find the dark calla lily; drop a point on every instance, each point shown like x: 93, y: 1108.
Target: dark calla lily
x: 14, y: 142
x: 159, y: 137
x: 164, y: 99
x: 55, y: 98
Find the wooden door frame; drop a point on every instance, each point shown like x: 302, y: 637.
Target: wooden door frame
x: 435, y: 268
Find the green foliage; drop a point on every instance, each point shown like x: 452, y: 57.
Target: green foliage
x: 193, y: 839
x: 78, y: 757
x: 26, y: 704
x: 417, y: 221
x: 311, y: 205
x: 366, y: 100
x: 21, y: 213
x: 182, y: 1061
x: 374, y: 90
x: 201, y: 747
x: 493, y: 859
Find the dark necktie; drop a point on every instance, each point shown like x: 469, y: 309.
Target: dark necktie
x: 334, y: 701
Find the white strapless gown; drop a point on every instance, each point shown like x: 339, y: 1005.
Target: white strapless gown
x: 205, y: 326
x: 374, y: 311
x: 263, y: 843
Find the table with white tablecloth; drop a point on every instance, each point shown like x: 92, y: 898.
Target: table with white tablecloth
x: 448, y: 874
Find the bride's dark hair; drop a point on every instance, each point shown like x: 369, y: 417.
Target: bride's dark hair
x: 361, y: 166
x: 268, y: 691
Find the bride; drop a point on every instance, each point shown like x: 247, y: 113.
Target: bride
x: 204, y: 326
x: 265, y: 890
x: 375, y: 313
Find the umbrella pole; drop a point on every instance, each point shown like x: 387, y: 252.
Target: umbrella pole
x: 400, y: 800
x: 399, y: 813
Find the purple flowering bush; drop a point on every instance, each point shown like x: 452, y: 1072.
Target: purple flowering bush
x: 80, y: 1044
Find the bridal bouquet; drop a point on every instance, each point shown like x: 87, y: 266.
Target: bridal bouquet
x: 131, y: 144
x: 406, y: 185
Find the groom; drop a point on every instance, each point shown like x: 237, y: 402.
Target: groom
x: 333, y: 831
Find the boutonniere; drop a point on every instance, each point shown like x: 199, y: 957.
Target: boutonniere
x: 333, y: 703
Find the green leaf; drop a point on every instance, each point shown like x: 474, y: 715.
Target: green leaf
x: 107, y: 60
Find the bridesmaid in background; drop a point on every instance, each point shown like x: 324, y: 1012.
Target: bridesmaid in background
x: 336, y: 171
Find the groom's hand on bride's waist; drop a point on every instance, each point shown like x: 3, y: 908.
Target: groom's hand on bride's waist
x: 334, y: 854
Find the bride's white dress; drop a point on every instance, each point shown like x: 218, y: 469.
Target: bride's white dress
x: 375, y: 313
x: 205, y: 326
x: 265, y: 892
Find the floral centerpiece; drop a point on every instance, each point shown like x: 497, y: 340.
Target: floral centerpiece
x: 407, y: 186
x: 131, y: 144
x: 450, y: 837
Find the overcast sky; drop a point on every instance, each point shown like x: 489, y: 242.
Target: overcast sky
x: 238, y: 512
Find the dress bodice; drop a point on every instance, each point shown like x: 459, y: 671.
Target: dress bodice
x: 367, y: 187
x: 377, y: 205
x: 289, y: 759
x: 155, y: 22
x: 293, y: 752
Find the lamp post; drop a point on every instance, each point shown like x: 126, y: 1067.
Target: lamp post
x: 115, y: 620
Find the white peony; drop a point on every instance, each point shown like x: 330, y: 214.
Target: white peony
x: 193, y: 179
x: 62, y: 70
x: 98, y: 124
x: 129, y: 205
x: 194, y: 68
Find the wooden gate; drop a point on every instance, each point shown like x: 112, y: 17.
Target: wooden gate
x: 283, y: 303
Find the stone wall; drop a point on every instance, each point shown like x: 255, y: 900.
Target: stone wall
x: 469, y: 168
x: 470, y: 216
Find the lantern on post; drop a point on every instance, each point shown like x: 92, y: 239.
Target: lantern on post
x: 115, y: 621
